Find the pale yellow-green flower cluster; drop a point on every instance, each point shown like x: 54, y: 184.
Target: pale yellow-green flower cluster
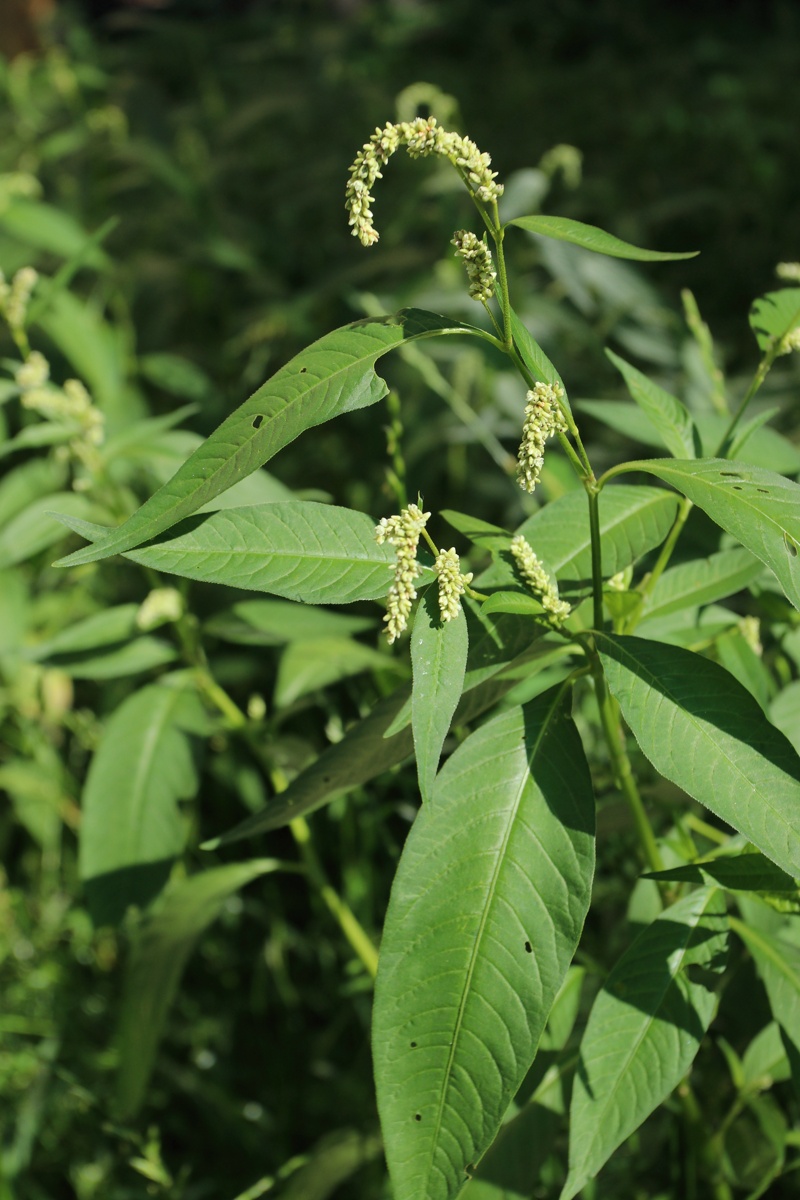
x: 477, y: 257
x: 791, y: 341
x: 402, y: 532
x: 543, y: 418
x: 159, y: 607
x: 543, y: 587
x: 15, y: 297
x: 790, y: 271
x: 421, y: 137
x: 452, y: 584
x: 70, y: 404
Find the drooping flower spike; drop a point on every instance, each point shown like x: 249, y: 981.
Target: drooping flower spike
x: 452, y: 583
x: 543, y: 587
x: 543, y: 419
x: 402, y: 532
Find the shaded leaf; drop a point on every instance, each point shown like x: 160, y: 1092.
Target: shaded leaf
x: 334, y: 375
x: 274, y: 622
x: 563, y: 229
x: 438, y: 662
x: 131, y: 829
x: 161, y: 946
x: 306, y: 666
x: 774, y: 315
x: 739, y: 873
x: 702, y: 581
x: 778, y: 964
x: 703, y: 731
x: 644, y: 1029
x: 486, y: 910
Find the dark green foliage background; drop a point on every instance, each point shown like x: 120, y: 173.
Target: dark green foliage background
x: 232, y: 250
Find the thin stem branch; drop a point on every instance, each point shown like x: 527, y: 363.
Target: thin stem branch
x: 646, y: 587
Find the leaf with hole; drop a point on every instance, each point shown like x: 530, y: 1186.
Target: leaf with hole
x: 334, y: 375
x: 759, y: 508
x: 486, y: 910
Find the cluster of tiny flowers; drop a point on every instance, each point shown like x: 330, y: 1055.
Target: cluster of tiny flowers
x: 159, y: 607
x: 478, y: 261
x: 403, y: 533
x: 789, y: 271
x: 421, y: 137
x: 543, y: 418
x: 70, y: 403
x: 790, y: 342
x: 14, y: 296
x: 452, y: 584
x: 543, y: 587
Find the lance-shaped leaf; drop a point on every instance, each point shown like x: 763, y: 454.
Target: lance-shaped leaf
x: 701, y: 729
x: 486, y: 910
x: 299, y: 549
x: 759, y: 508
x: 335, y: 375
x: 563, y: 229
x: 749, y: 872
x: 438, y: 662
x: 774, y: 315
x: 532, y: 354
x: 702, y: 581
x: 669, y: 417
x: 161, y: 946
x: 778, y: 963
x: 644, y: 1029
x: 632, y: 521
x: 131, y: 828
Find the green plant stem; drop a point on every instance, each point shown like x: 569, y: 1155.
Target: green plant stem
x: 621, y: 766
x: 597, y: 555
x: 502, y: 279
x: 348, y: 924
x: 762, y: 371
x: 339, y: 909
x: 701, y: 1147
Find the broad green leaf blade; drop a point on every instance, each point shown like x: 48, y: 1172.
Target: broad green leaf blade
x: 103, y: 628
x: 778, y: 963
x: 702, y: 730
x: 131, y: 829
x: 308, y: 666
x: 302, y: 550
x: 335, y: 375
x: 759, y: 508
x: 632, y: 521
x: 161, y: 946
x: 670, y: 418
x: 438, y: 663
x: 774, y: 315
x: 738, y: 873
x: 702, y: 581
x: 115, y: 662
x: 644, y: 1030
x: 563, y: 229
x: 532, y: 354
x: 486, y: 910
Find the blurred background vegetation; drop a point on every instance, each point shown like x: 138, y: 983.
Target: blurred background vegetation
x: 206, y: 145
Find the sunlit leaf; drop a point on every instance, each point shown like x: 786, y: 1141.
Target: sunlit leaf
x: 486, y: 910
x: 669, y: 417
x: 774, y: 315
x: 563, y: 229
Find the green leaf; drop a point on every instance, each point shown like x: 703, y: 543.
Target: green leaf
x: 315, y: 553
x: 308, y: 666
x: 644, y: 1029
x: 738, y: 873
x: 274, y: 622
x: 774, y: 315
x: 670, y: 418
x: 52, y: 229
x: 32, y: 480
x: 532, y: 354
x: 103, y: 628
x: 486, y: 910
x: 702, y: 581
x: 778, y: 964
x: 36, y: 528
x: 438, y: 662
x: 131, y: 828
x: 335, y: 375
x: 632, y: 521
x: 563, y: 229
x: 759, y: 508
x: 115, y: 662
x: 513, y: 602
x: 703, y: 731
x: 161, y: 946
